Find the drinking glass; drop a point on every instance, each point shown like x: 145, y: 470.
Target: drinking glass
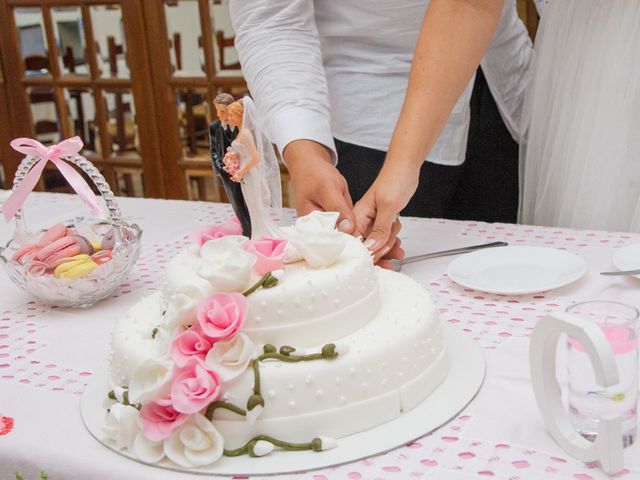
x: 588, y: 401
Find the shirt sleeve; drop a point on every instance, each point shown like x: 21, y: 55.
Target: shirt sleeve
x: 279, y: 50
x: 507, y: 68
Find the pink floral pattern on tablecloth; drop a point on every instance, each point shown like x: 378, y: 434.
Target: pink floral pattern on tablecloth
x: 448, y: 449
x: 6, y: 425
x: 562, y: 238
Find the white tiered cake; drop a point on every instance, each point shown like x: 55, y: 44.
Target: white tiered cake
x: 319, y: 352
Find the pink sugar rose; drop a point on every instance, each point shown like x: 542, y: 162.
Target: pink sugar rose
x: 194, y: 387
x: 269, y: 252
x: 221, y: 315
x: 190, y: 344
x: 159, y: 419
x: 219, y: 230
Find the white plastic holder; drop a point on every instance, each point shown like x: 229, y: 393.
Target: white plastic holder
x: 607, y: 448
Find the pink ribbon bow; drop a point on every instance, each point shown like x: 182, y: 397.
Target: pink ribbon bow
x: 53, y: 154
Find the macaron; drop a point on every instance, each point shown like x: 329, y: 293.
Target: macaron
x: 81, y: 257
x: 85, y: 245
x: 109, y: 240
x: 113, y: 235
x: 75, y: 268
x: 54, y: 233
x: 26, y: 253
x: 64, y: 247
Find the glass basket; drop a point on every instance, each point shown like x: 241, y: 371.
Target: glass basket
x: 83, y: 292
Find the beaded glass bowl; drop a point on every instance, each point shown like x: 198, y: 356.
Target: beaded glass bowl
x: 113, y: 248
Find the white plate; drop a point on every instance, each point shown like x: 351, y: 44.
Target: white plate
x: 466, y: 373
x: 628, y: 258
x: 516, y: 270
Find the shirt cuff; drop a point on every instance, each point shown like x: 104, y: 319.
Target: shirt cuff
x: 299, y: 124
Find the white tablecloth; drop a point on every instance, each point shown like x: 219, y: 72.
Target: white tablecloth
x: 48, y: 355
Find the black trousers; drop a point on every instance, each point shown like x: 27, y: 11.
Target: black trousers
x: 483, y: 188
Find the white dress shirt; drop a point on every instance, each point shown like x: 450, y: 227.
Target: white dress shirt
x: 322, y: 69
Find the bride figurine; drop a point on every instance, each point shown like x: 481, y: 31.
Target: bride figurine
x: 251, y: 161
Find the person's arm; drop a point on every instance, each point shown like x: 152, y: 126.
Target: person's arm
x: 279, y: 50
x: 453, y: 38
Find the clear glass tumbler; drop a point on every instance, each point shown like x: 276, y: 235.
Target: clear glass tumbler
x: 588, y: 401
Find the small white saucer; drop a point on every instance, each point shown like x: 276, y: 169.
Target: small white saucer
x: 628, y: 258
x: 466, y: 374
x: 516, y: 270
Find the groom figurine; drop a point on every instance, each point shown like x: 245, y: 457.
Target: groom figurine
x: 221, y: 135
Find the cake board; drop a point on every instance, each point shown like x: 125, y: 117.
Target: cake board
x: 465, y: 377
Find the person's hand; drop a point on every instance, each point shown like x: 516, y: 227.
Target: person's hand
x: 377, y: 212
x: 317, y: 183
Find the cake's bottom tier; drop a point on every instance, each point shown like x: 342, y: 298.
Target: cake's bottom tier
x: 391, y: 365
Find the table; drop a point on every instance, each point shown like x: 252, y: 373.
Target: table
x: 48, y: 355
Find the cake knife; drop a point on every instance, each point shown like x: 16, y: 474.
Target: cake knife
x: 397, y: 264
x: 622, y: 272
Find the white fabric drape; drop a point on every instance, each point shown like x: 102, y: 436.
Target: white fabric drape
x: 581, y: 167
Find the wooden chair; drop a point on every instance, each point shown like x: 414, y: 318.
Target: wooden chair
x: 223, y: 43
x: 121, y: 128
x: 37, y: 63
x: 194, y: 117
x: 68, y: 60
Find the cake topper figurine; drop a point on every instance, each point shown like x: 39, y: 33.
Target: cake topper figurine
x: 221, y: 134
x: 251, y: 161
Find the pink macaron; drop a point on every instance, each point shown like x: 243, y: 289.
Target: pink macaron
x: 25, y: 254
x: 64, y: 247
x: 54, y: 233
x: 29, y: 252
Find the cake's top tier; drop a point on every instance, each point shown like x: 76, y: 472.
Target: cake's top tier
x: 310, y: 304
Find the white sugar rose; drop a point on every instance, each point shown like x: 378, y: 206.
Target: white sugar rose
x: 213, y: 248
x: 146, y: 450
x: 317, y: 221
x: 225, y: 265
x: 181, y: 310
x: 163, y: 339
x: 320, y: 249
x: 230, y: 358
x: 230, y: 271
x: 150, y: 380
x: 195, y: 444
x: 121, y: 425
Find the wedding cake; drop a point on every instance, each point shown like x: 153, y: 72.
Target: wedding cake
x: 271, y: 343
